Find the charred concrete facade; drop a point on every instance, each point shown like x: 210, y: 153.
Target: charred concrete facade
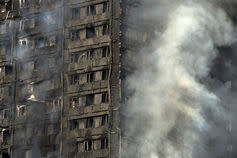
x: 61, y: 79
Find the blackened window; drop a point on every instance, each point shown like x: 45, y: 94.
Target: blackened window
x: 104, y: 143
x: 89, y: 122
x: 90, y: 77
x: 9, y: 90
x: 105, y: 7
x: 56, y: 102
x: 74, y: 57
x: 104, y: 98
x: 90, y: 54
x: 88, y: 145
x: 74, y: 79
x: 6, y: 137
x: 6, y: 113
x: 75, y: 13
x: 91, y: 10
x: 105, y: 29
x: 104, y: 120
x: 75, y: 35
x: 9, y: 4
x: 104, y: 74
x: 8, y: 70
x: 5, y: 155
x: 89, y: 99
x: 73, y: 124
x: 105, y: 52
x: 90, y: 32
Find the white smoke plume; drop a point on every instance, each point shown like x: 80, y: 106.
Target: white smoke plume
x: 169, y: 94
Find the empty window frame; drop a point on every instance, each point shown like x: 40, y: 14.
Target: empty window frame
x: 90, y: 54
x: 73, y: 124
x: 88, y: 145
x: 90, y: 32
x: 105, y: 52
x: 8, y: 70
x: 105, y: 29
x: 89, y: 122
x: 74, y: 57
x: 6, y: 136
x: 5, y: 155
x: 91, y: 10
x: 105, y: 7
x: 104, y: 120
x: 105, y: 75
x: 6, y: 113
x: 104, y: 98
x: 9, y: 90
x: 76, y: 13
x: 74, y: 79
x: 104, y: 143
x: 89, y: 99
x: 90, y: 77
x: 75, y: 35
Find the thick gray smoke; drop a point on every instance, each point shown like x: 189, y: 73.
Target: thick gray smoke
x: 175, y: 112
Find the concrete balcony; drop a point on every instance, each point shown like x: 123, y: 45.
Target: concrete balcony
x: 87, y: 19
x: 87, y: 109
x: 87, y: 42
x: 87, y: 86
x: 83, y: 133
x: 94, y: 153
x: 89, y: 64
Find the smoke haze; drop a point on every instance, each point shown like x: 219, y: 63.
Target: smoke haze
x: 178, y: 110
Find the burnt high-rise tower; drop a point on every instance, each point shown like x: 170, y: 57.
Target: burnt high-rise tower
x: 60, y: 76
x: 117, y: 78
